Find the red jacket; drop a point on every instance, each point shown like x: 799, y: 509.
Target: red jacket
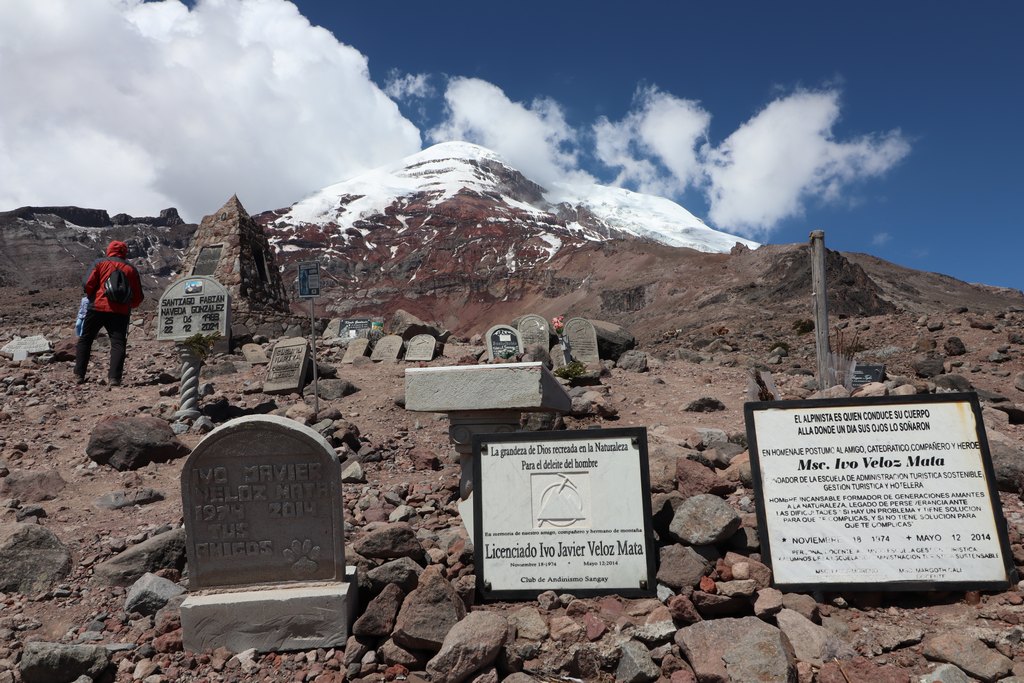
x: 98, y: 274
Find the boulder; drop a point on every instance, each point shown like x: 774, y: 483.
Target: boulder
x: 470, y: 645
x: 150, y: 593
x: 703, y: 520
x: 32, y: 558
x: 681, y: 566
x: 612, y: 340
x: 128, y: 443
x: 32, y: 486
x: 969, y: 654
x: 811, y: 643
x: 164, y: 551
x: 633, y: 361
x: 635, y: 664
x: 407, y: 326
x: 390, y: 541
x: 379, y: 617
x: 747, y: 649
x: 928, y: 365
x: 333, y: 389
x: 429, y: 612
x: 59, y: 663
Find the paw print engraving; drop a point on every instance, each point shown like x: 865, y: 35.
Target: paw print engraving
x: 303, y: 555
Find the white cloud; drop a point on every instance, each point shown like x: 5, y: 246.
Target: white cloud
x: 535, y: 139
x: 785, y: 155
x: 134, y: 106
x: 661, y: 126
x: 881, y: 238
x: 401, y: 86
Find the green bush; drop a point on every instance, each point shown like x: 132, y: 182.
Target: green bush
x: 571, y: 370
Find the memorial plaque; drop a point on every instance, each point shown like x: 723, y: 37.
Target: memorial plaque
x: 387, y: 348
x: 421, y: 348
x: 262, y: 503
x: 582, y: 340
x: 533, y: 329
x: 503, y: 342
x: 193, y: 305
x: 355, y: 348
x: 290, y: 363
x: 866, y: 374
x: 887, y: 493
x: 206, y: 262
x: 563, y: 511
x: 357, y: 327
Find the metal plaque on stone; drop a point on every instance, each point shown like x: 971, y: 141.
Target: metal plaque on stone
x: 503, y: 341
x: 357, y: 327
x: 290, y: 363
x: 193, y: 305
x: 882, y: 493
x: 206, y: 262
x: 262, y: 503
x: 533, y: 329
x: 563, y: 511
x: 582, y: 340
x: 387, y: 348
x: 356, y: 348
x: 866, y: 374
x: 421, y: 348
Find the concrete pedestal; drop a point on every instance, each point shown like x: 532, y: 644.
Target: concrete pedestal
x: 276, y: 618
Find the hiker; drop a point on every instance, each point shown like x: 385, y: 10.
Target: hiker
x: 112, y: 296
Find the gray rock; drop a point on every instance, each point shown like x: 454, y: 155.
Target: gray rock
x: 390, y: 541
x: 946, y: 673
x: 706, y: 404
x: 404, y: 572
x: 58, y: 663
x: 704, y: 519
x: 353, y: 474
x: 1018, y: 381
x: 633, y: 361
x: 32, y: 486
x: 740, y: 650
x: 379, y: 617
x: 951, y: 382
x: 954, y: 346
x: 802, y: 604
x: 128, y: 443
x: 333, y: 389
x: 612, y: 340
x: 969, y: 654
x: 164, y: 551
x: 407, y: 326
x: 928, y: 365
x: 681, y: 566
x: 150, y: 593
x: 470, y: 645
x: 768, y: 602
x: 635, y: 664
x: 429, y: 612
x: 811, y: 643
x: 116, y: 500
x: 32, y: 558
x: 529, y: 623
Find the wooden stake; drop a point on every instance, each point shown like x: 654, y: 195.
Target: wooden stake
x: 819, y: 299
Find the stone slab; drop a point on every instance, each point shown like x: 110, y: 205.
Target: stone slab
x: 582, y: 338
x: 275, y: 618
x: 356, y: 348
x: 508, y: 386
x: 421, y: 348
x: 387, y: 348
x: 289, y: 364
x: 23, y: 346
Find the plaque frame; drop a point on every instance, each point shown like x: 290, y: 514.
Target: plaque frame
x: 638, y: 435
x: 998, y: 518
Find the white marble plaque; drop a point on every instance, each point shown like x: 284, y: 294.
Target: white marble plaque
x: 565, y: 511
x: 883, y: 493
x: 533, y: 329
x: 193, y: 305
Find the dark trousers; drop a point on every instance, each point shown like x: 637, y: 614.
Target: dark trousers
x: 116, y: 325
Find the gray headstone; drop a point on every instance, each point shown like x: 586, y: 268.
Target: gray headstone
x: 533, y: 329
x: 20, y: 347
x: 421, y: 348
x: 387, y: 348
x: 355, y: 349
x: 254, y: 354
x: 193, y: 305
x: 582, y: 340
x: 503, y: 341
x: 262, y: 502
x: 289, y: 364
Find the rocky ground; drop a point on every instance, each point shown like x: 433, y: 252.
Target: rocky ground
x: 93, y: 610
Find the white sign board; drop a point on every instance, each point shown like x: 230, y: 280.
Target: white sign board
x: 309, y: 280
x: 563, y: 511
x: 193, y: 305
x: 880, y: 494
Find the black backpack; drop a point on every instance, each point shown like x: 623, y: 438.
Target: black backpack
x: 117, y: 288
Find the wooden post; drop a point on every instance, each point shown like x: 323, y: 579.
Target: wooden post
x: 819, y: 299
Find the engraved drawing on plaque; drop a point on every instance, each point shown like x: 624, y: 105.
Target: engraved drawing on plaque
x: 561, y: 499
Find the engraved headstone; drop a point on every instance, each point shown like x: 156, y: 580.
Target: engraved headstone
x: 193, y: 305
x: 866, y: 374
x: 355, y: 349
x: 289, y: 366
x: 265, y: 540
x: 262, y: 502
x: 387, y: 348
x: 357, y: 327
x: 503, y: 341
x: 533, y: 329
x: 206, y: 262
x: 582, y: 340
x: 421, y: 348
x: 21, y: 347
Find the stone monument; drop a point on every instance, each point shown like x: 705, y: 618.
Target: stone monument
x: 503, y: 341
x: 582, y: 341
x: 290, y: 365
x: 387, y: 348
x: 421, y: 348
x: 356, y: 348
x: 266, y: 554
x: 533, y: 329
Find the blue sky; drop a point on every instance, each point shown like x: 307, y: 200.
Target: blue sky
x: 894, y: 127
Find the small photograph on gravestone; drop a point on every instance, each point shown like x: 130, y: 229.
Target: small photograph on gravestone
x: 504, y: 342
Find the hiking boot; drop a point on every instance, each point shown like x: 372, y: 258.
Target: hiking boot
x: 115, y: 382
x: 79, y: 379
